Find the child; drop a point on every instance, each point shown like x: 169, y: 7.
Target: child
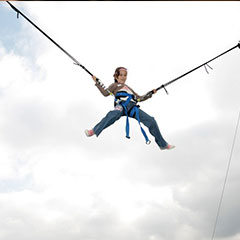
x: 125, y: 104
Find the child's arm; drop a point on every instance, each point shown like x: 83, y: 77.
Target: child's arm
x: 145, y: 96
x: 105, y: 91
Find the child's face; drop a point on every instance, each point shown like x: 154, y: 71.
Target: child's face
x: 122, y: 76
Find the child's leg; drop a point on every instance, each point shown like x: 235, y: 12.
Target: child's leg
x: 152, y: 125
x: 109, y: 119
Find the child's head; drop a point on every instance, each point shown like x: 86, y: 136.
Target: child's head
x: 120, y: 74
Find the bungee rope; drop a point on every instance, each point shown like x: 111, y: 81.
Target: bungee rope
x: 163, y: 86
x: 76, y: 62
x: 183, y: 75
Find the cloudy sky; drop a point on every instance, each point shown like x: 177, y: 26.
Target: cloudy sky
x: 55, y: 183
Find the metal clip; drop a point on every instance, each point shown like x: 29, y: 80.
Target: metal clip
x: 148, y: 142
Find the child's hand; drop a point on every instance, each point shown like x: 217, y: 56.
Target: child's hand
x: 154, y: 91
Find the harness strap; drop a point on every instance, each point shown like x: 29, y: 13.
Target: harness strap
x: 132, y: 111
x: 135, y: 110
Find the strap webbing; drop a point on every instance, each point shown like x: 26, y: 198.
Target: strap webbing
x: 133, y: 111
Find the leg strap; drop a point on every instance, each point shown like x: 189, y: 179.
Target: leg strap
x: 135, y: 110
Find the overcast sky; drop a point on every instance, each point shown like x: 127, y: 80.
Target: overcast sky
x: 55, y: 183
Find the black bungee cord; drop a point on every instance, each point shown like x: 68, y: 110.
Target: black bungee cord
x: 163, y: 86
x: 183, y: 75
x: 54, y: 42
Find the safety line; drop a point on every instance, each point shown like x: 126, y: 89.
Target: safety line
x: 225, y: 180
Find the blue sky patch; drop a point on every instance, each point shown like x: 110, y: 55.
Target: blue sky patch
x: 10, y: 27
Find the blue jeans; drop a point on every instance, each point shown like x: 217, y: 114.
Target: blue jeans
x: 118, y: 112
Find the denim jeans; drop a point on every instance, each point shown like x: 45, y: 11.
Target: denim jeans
x: 118, y: 112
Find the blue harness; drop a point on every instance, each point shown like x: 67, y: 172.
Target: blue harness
x: 133, y: 110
